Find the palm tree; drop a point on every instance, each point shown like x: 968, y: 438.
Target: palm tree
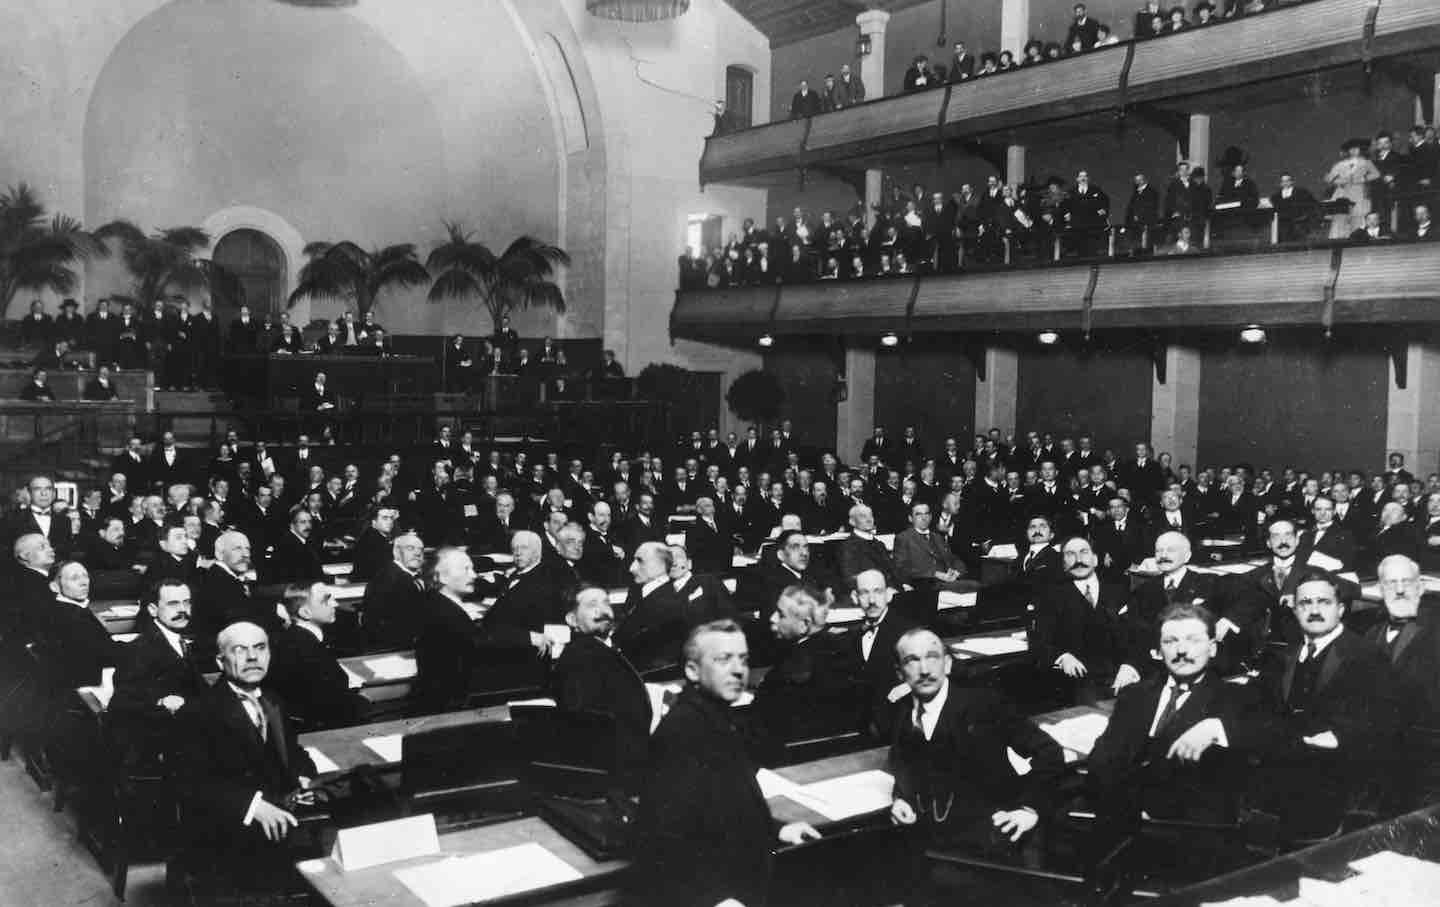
x: 36, y: 253
x: 167, y: 262
x: 344, y: 270
x: 517, y: 279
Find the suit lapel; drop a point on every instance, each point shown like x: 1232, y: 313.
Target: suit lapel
x: 1291, y: 660
x: 1331, y: 659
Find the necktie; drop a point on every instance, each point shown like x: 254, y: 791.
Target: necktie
x: 1171, y: 707
x: 419, y: 584
x: 256, y: 710
x: 1282, y: 573
x: 1090, y: 595
x: 1309, y: 655
x: 919, y: 717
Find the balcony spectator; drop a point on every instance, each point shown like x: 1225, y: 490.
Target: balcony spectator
x: 849, y: 89
x: 1183, y: 245
x: 1144, y: 20
x: 38, y: 390
x: 1142, y: 216
x: 1052, y: 206
x: 919, y: 76
x: 1350, y: 179
x: 798, y: 269
x: 1204, y: 13
x: 1392, y: 166
x: 1104, y: 37
x: 804, y: 103
x: 1375, y: 230
x: 1087, y: 214
x: 989, y: 65
x: 939, y: 223
x: 1006, y: 62
x: 724, y: 122
x: 1084, y: 29
x: 832, y: 269
x: 1177, y: 22
x: 1034, y: 53
x: 1053, y: 50
x: 1424, y: 227
x: 36, y: 327
x: 1202, y: 199
x: 1424, y: 162
x: 962, y: 64
x: 1294, y: 208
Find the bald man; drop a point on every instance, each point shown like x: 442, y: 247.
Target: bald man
x: 242, y: 772
x: 1409, y: 640
x: 872, y: 644
x: 862, y: 551
x: 513, y: 632
x: 223, y: 595
x: 79, y: 645
x: 1176, y: 584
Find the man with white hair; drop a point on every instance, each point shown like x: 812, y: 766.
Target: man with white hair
x: 652, y: 621
x: 513, y: 631
x: 77, y: 642
x: 1176, y: 584
x: 447, y: 648
x: 707, y: 541
x: 224, y: 594
x: 814, y: 688
x: 392, y: 598
x: 862, y: 551
x: 34, y: 558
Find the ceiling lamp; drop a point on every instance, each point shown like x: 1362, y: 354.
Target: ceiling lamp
x: 1252, y: 333
x: 1048, y: 338
x: 889, y: 339
x: 637, y: 10
x: 766, y: 341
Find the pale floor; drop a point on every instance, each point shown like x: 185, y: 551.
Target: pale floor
x: 42, y: 864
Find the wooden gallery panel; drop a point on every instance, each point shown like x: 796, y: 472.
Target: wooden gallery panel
x: 1282, y: 405
x: 1105, y: 394
x: 931, y: 388
x: 806, y: 369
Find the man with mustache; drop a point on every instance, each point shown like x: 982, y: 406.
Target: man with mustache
x: 1327, y: 708
x: 1263, y: 598
x: 1081, y: 629
x: 1176, y: 744
x: 953, y: 777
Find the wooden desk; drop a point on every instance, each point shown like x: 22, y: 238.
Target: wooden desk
x: 346, y: 746
x: 382, y: 689
x: 785, y: 810
x: 117, y: 623
x: 1074, y: 756
x: 378, y: 885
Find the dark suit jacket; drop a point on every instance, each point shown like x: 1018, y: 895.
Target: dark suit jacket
x: 372, y: 552
x: 23, y: 523
x: 1351, y: 698
x: 704, y: 830
x: 653, y: 626
x: 293, y: 561
x: 590, y: 676
x: 149, y: 670
x: 76, y: 644
x: 710, y: 550
x: 309, y: 679
x: 814, y: 689
x: 636, y: 532
x: 222, y: 599
x: 1236, y: 517
x: 1399, y: 539
x: 447, y: 651
x: 1337, y: 542
x: 858, y: 555
x: 165, y: 566
x: 1125, y: 548
x: 1415, y: 670
x: 390, y: 609
x: 1150, y: 598
x: 1130, y: 770
x: 967, y: 757
x: 1045, y: 568
x: 223, y: 763
x: 167, y: 474
x: 703, y: 598
x: 529, y: 603
x: 877, y: 673
x: 1099, y: 635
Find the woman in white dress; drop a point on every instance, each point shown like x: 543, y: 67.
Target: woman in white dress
x: 1350, y: 178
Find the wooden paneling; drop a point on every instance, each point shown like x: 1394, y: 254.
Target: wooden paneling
x: 806, y: 369
x: 1061, y: 81
x: 1285, y: 404
x: 877, y: 304
x: 1105, y: 395
x: 929, y: 385
x: 908, y: 113
x: 1204, y: 290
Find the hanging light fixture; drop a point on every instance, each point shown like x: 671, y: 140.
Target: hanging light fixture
x: 1252, y: 333
x: 889, y: 339
x: 766, y: 341
x: 1048, y: 338
x: 637, y: 10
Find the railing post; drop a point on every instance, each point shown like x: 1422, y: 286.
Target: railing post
x: 1207, y: 234
x: 1274, y: 227
x: 1110, y: 233
x: 1056, y: 251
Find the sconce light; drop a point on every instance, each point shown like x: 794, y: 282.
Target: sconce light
x: 889, y: 339
x: 766, y: 341
x: 1048, y: 338
x: 1252, y: 333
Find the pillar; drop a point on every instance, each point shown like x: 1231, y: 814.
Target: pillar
x: 996, y: 396
x: 1015, y: 165
x: 872, y: 73
x: 1014, y: 29
x: 1412, y: 413
x: 1175, y: 406
x: 855, y: 415
x: 1200, y: 142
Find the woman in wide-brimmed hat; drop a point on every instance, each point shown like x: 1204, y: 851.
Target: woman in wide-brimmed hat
x: 1350, y: 179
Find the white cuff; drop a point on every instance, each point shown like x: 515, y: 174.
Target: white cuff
x: 254, y: 802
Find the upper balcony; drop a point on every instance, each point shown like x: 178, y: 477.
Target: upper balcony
x: 1202, y: 68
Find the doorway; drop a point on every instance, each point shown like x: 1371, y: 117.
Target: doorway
x: 259, y: 264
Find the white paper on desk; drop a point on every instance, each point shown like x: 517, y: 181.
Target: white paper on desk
x: 845, y: 615
x: 994, y: 645
x: 557, y: 634
x: 121, y: 611
x: 1146, y: 566
x: 486, y: 876
x: 543, y: 702
x: 353, y: 680
x: 1003, y: 553
x: 1245, y: 900
x: 675, y: 538
x: 849, y: 795
x: 683, y: 518
x: 1078, y: 734
x: 730, y: 584
x: 338, y: 569
x: 386, y: 842
x: 772, y: 785
x: 323, y: 763
x: 386, y: 747
x: 888, y: 540
x: 1349, y: 576
x: 742, y: 560
x: 348, y: 592
x: 661, y: 695
x: 1221, y: 543
x: 948, y: 600
x: 1324, y: 562
x: 1243, y: 567
x: 499, y: 558
x: 102, y: 694
x: 1371, y: 591
x: 391, y: 667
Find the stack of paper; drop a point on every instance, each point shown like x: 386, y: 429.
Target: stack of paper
x: 337, y: 569
x: 499, y: 558
x: 742, y: 560
x: 121, y: 611
x: 837, y: 798
x: 323, y: 763
x: 994, y: 645
x: 675, y: 538
x: 845, y: 615
x: 391, y: 667
x: 386, y: 747
x: 348, y: 593
x: 1221, y: 543
x: 486, y: 876
x: 1003, y: 553
x: 1077, y: 735
x: 355, y: 681
x: 948, y: 600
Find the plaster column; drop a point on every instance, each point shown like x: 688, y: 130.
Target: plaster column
x: 1200, y: 142
x: 872, y: 74
x: 997, y: 395
x: 1014, y: 27
x: 1175, y: 406
x: 855, y: 416
x: 1015, y: 165
x: 1412, y: 415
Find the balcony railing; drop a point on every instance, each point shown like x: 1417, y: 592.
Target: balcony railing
x: 1306, y: 38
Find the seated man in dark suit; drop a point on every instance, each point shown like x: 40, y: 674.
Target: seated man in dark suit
x: 513, y: 632
x: 373, y: 546
x: 155, y: 677
x: 863, y: 551
x: 1176, y: 584
x: 707, y: 541
x: 1327, y: 536
x: 1261, y: 600
x: 704, y: 831
x: 923, y: 558
x: 174, y: 560
x: 1119, y: 539
x: 814, y: 688
x: 1409, y: 640
x: 1176, y: 745
x: 392, y: 599
x: 224, y: 597
x: 107, y: 551
x: 42, y: 517
x: 316, y: 690
x: 30, y: 593
x: 295, y: 558
x: 953, y: 777
x: 592, y: 675
x: 38, y: 389
x: 703, y: 596
x: 603, y: 560
x: 1081, y: 634
x: 77, y: 645
x: 1175, y: 515
x: 872, y: 646
x: 1396, y: 535
x: 1327, y: 707
x: 447, y: 647
x: 101, y: 387
x: 242, y: 771
x: 652, y: 622
x: 644, y: 526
